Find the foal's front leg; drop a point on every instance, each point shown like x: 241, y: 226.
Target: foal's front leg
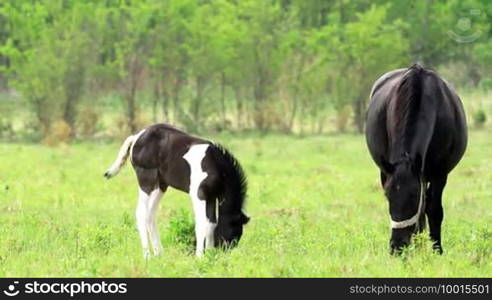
x: 204, y: 227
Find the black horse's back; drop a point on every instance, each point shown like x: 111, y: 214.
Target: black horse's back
x: 416, y: 134
x: 415, y: 111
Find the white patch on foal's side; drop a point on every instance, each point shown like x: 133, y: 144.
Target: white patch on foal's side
x: 194, y: 157
x: 204, y: 228
x: 413, y: 220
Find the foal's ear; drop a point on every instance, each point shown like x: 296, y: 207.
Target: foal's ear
x: 388, y: 167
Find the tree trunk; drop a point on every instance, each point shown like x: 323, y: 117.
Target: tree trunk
x: 260, y: 92
x: 73, y: 86
x: 295, y: 96
x: 165, y: 104
x: 359, y: 110
x: 155, y: 101
x: 135, y: 71
x: 222, y: 99
x: 196, y: 109
x: 239, y: 110
x: 131, y: 110
x: 176, y: 96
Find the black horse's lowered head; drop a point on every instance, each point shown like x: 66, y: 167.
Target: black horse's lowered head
x: 405, y: 191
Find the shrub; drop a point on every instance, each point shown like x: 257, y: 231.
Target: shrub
x: 88, y: 121
x: 120, y: 129
x: 486, y: 84
x: 182, y: 229
x: 60, y: 133
x: 343, y: 118
x: 6, y: 129
x: 479, y: 117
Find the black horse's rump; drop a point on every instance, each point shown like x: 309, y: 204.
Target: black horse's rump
x: 416, y: 134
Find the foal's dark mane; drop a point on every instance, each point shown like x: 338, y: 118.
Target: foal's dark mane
x: 234, y: 189
x: 408, y: 98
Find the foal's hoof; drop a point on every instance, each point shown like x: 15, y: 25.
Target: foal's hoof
x: 107, y: 175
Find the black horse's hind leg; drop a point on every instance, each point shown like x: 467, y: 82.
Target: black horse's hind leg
x: 422, y: 219
x: 422, y: 222
x: 434, y: 210
x: 383, y: 179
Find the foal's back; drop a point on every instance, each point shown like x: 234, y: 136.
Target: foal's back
x: 157, y: 156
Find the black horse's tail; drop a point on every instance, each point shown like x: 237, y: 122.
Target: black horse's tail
x: 233, y: 194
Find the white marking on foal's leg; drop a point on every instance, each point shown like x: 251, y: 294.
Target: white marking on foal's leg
x: 153, y: 231
x: 204, y: 228
x: 142, y: 213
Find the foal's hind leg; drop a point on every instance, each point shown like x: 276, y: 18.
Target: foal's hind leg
x: 383, y: 179
x: 152, y: 228
x: 434, y: 210
x: 142, y: 215
x: 148, y: 193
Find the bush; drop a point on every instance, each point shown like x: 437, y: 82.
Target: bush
x: 120, y: 128
x: 88, y: 122
x: 486, y: 84
x: 60, y: 133
x: 480, y: 118
x: 182, y: 229
x: 6, y: 129
x: 343, y: 118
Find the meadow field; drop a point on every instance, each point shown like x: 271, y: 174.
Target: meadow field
x: 316, y: 208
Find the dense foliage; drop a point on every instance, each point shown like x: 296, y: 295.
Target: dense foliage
x: 215, y: 64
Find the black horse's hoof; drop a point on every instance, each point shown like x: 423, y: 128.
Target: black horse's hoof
x: 437, y: 249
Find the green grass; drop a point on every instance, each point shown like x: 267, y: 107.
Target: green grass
x: 315, y: 203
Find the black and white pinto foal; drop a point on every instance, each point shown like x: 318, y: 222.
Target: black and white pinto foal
x: 164, y: 156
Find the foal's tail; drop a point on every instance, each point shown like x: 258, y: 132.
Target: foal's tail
x: 122, y: 157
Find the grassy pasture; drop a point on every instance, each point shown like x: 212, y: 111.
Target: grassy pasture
x: 315, y: 203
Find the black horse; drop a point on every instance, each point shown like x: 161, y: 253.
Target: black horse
x: 164, y: 156
x: 416, y: 133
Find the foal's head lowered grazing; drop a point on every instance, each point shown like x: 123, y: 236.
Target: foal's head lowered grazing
x: 230, y: 229
x: 231, y: 201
